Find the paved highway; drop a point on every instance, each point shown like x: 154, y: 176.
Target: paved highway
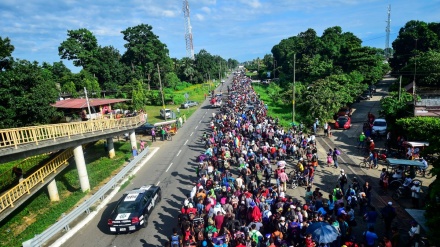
x: 172, y: 168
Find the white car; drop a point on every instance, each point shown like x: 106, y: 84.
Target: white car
x: 379, y: 126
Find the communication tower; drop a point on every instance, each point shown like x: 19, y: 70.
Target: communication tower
x: 388, y: 29
x: 188, y: 32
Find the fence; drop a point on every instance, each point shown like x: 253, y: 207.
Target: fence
x: 35, y: 134
x: 63, y: 223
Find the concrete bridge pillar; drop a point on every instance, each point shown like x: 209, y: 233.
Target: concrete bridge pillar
x: 133, y: 139
x: 81, y: 167
x: 110, y: 147
x: 53, y: 191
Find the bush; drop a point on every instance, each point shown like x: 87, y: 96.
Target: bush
x: 179, y: 99
x: 182, y: 85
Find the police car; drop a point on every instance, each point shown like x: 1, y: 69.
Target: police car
x: 133, y: 209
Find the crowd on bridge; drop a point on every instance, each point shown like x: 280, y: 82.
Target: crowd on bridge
x: 240, y: 195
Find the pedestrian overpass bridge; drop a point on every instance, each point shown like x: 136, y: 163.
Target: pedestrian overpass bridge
x: 21, y: 143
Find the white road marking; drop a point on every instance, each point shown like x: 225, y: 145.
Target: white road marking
x: 200, y: 121
x: 191, y: 133
x: 186, y: 141
x: 169, y: 167
x: 158, y: 183
x: 196, y: 127
x: 179, y: 152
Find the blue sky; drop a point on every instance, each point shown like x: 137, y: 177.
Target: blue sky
x: 239, y: 29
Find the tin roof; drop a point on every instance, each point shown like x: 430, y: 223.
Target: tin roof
x: 82, y: 103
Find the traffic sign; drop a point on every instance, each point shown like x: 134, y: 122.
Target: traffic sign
x: 186, y: 95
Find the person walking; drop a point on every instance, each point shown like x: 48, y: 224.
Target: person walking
x: 388, y: 214
x: 329, y: 157
x: 415, y: 194
x: 153, y: 135
x: 361, y: 143
x: 342, y: 179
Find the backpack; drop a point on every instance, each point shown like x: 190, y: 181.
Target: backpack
x: 344, y: 178
x: 175, y: 241
x: 255, y: 237
x: 353, y: 201
x: 338, y: 193
x: 338, y: 152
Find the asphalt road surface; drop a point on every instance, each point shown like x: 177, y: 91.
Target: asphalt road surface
x: 173, y: 169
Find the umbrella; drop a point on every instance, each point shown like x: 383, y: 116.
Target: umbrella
x: 322, y: 232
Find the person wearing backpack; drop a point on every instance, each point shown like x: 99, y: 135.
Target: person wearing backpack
x: 175, y: 239
x: 255, y: 235
x: 342, y: 179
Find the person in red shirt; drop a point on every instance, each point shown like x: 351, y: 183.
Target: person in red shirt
x: 218, y: 219
x: 309, y: 242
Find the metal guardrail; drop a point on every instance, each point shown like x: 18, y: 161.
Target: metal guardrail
x: 63, y: 223
x: 35, y: 134
x: 24, y: 186
x: 7, y: 178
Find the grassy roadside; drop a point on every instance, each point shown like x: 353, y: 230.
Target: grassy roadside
x: 276, y: 108
x: 196, y: 93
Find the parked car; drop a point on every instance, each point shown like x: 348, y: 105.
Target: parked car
x: 379, y: 127
x: 188, y: 104
x: 165, y: 113
x: 343, y: 122
x: 343, y: 111
x: 144, y: 129
x: 133, y: 209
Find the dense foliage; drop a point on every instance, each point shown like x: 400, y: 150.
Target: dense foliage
x: 418, y: 43
x: 330, y: 71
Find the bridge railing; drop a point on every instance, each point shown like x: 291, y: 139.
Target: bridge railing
x: 35, y: 134
x: 7, y: 177
x: 24, y: 186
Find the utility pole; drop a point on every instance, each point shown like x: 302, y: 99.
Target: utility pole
x: 293, y: 91
x: 88, y: 103
x: 400, y: 87
x: 388, y: 30
x: 161, y: 89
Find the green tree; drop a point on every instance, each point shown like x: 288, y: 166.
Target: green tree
x: 69, y: 87
x: 414, y: 37
x: 6, y: 49
x: 26, y: 94
x: 393, y: 108
x: 171, y: 80
x: 428, y: 69
x: 144, y: 52
x: 81, y: 47
x: 138, y: 96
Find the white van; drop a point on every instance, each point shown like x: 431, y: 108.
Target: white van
x: 165, y: 113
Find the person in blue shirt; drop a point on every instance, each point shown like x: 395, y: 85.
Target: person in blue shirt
x: 371, y: 217
x: 370, y: 237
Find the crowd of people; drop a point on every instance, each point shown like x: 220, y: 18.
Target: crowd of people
x: 240, y: 193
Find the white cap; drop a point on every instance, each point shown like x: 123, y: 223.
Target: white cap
x: 282, y: 218
x: 390, y: 203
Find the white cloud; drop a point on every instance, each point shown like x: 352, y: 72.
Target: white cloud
x: 206, y: 10
x: 199, y: 17
x: 169, y: 13
x: 252, y: 3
